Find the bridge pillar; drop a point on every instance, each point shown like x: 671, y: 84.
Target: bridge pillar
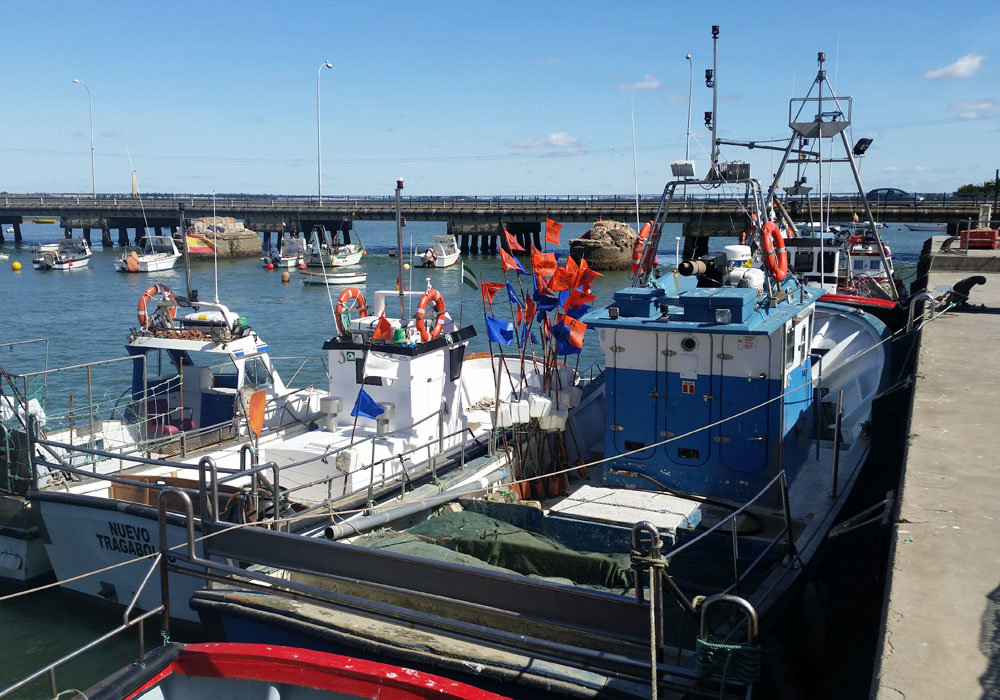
x: 492, y: 244
x: 265, y: 241
x: 17, y: 232
x: 106, y: 237
x: 86, y: 235
x: 474, y: 243
x: 2, y: 240
x: 123, y: 236
x: 140, y: 235
x: 463, y: 244
x: 346, y: 228
x: 537, y: 236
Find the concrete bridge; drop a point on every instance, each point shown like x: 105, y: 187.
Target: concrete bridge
x: 703, y: 214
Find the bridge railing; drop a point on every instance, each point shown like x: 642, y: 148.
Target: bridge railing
x: 55, y: 201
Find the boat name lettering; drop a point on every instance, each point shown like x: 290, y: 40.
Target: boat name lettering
x: 127, y: 539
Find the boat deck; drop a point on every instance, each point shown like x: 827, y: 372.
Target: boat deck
x: 941, y: 620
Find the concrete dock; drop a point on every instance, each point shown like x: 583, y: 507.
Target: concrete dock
x: 941, y: 620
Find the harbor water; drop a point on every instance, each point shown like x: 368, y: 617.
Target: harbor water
x: 86, y: 315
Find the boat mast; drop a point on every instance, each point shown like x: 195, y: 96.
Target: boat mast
x: 399, y: 248
x: 187, y: 260
x: 820, y: 77
x: 715, y: 98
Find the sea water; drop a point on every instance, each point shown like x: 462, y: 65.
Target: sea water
x: 86, y: 314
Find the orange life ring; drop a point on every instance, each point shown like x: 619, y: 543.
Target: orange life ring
x: 773, y: 245
x: 637, y: 248
x: 435, y: 296
x: 856, y: 239
x: 346, y: 296
x: 152, y: 291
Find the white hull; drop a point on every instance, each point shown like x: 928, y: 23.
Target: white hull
x: 335, y: 278
x: 147, y: 263
x: 336, y: 260
x: 441, y: 261
x: 77, y: 264
x: 22, y: 560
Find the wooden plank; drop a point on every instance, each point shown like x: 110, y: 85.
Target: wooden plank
x: 627, y: 507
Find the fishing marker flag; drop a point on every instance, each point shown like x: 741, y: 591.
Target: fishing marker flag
x: 552, y: 231
x: 509, y: 262
x: 511, y: 241
x: 513, y: 295
x: 488, y: 290
x: 383, y: 330
x: 499, y: 331
x: 469, y: 278
x: 366, y: 407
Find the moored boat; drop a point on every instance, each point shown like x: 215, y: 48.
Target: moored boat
x: 343, y: 277
x: 67, y: 254
x: 158, y: 254
x: 289, y: 254
x: 442, y: 252
x: 334, y: 253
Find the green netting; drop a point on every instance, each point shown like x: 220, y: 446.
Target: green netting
x: 503, y: 545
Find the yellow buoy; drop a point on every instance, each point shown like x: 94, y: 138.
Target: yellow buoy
x: 285, y: 276
x: 406, y: 266
x: 15, y: 266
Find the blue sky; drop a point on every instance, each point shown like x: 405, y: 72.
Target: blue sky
x: 474, y: 97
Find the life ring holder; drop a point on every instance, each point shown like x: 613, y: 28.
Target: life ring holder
x: 772, y: 243
x: 152, y: 291
x: 346, y: 296
x: 439, y: 307
x: 640, y: 241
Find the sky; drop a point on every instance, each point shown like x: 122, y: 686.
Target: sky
x: 477, y: 98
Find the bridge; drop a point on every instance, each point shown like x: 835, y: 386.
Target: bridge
x: 703, y: 213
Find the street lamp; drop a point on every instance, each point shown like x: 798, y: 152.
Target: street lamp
x: 319, y: 146
x: 687, y: 137
x: 90, y: 102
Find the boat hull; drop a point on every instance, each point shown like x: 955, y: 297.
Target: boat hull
x: 63, y: 265
x: 332, y: 279
x: 440, y: 261
x: 147, y: 264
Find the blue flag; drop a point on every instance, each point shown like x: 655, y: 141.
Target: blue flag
x: 366, y: 407
x: 499, y: 331
x: 526, y: 333
x: 512, y: 294
x: 578, y: 312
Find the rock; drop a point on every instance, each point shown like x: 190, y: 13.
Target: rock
x: 606, y: 246
x: 232, y: 239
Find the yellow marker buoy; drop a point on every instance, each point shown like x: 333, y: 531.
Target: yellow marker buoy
x: 285, y: 276
x: 406, y: 266
x: 15, y: 266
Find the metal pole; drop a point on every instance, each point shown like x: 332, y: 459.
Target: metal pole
x: 187, y: 260
x: 715, y: 95
x: 90, y: 103
x: 687, y: 136
x: 399, y: 248
x: 836, y: 441
x: 319, y: 147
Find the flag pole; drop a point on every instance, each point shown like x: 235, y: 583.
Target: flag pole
x: 461, y: 292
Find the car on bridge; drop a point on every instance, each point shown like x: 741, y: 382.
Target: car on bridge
x: 891, y: 195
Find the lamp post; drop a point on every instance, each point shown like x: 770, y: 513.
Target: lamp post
x: 319, y: 146
x: 90, y: 102
x: 687, y: 137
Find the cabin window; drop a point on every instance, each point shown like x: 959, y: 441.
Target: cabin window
x: 803, y: 333
x: 790, y: 331
x: 859, y: 265
x: 257, y: 373
x: 803, y: 261
x: 875, y: 264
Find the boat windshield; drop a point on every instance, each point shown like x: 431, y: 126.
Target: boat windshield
x: 159, y: 244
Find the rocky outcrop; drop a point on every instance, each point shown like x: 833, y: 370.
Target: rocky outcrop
x: 231, y: 238
x: 606, y: 246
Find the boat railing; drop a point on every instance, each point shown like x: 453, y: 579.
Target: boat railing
x: 303, y: 361
x: 661, y: 563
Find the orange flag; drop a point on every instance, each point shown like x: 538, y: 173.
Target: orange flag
x: 552, y: 231
x: 489, y: 289
x: 509, y: 262
x: 561, y: 280
x: 383, y: 330
x: 586, y: 275
x: 544, y: 264
x: 511, y: 241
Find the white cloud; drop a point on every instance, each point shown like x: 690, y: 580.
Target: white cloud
x: 890, y: 169
x: 965, y: 67
x: 648, y: 82
x: 921, y: 168
x: 554, y: 62
x: 558, y: 139
x: 677, y: 99
x: 976, y: 109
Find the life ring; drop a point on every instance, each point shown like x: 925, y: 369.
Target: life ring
x: 152, y: 291
x: 345, y: 297
x: 773, y: 245
x: 856, y: 239
x: 637, y: 248
x: 435, y: 296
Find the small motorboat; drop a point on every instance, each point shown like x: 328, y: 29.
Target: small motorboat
x: 333, y: 278
x: 290, y: 254
x: 334, y: 254
x: 67, y: 254
x: 442, y: 253
x: 159, y: 253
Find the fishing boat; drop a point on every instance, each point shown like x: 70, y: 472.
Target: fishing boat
x: 333, y: 254
x: 290, y: 253
x: 343, y: 277
x: 250, y: 671
x: 735, y: 425
x: 159, y: 253
x: 443, y: 252
x: 67, y: 254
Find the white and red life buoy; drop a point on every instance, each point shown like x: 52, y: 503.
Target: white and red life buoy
x: 346, y: 296
x: 153, y: 291
x: 439, y: 307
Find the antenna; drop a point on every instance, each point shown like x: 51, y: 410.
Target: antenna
x: 715, y: 97
x: 635, y: 169
x: 215, y: 248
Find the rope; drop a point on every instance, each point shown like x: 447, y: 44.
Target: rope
x: 739, y: 662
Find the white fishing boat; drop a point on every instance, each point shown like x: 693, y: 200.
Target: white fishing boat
x: 343, y: 277
x: 735, y: 428
x: 332, y: 254
x: 67, y: 254
x: 443, y: 252
x: 159, y: 253
x: 4, y: 256
x: 289, y: 254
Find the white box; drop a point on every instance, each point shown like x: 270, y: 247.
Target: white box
x: 555, y: 421
x: 538, y: 405
x: 347, y: 460
x: 520, y: 412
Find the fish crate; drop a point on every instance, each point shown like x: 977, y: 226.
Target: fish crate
x: 982, y: 238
